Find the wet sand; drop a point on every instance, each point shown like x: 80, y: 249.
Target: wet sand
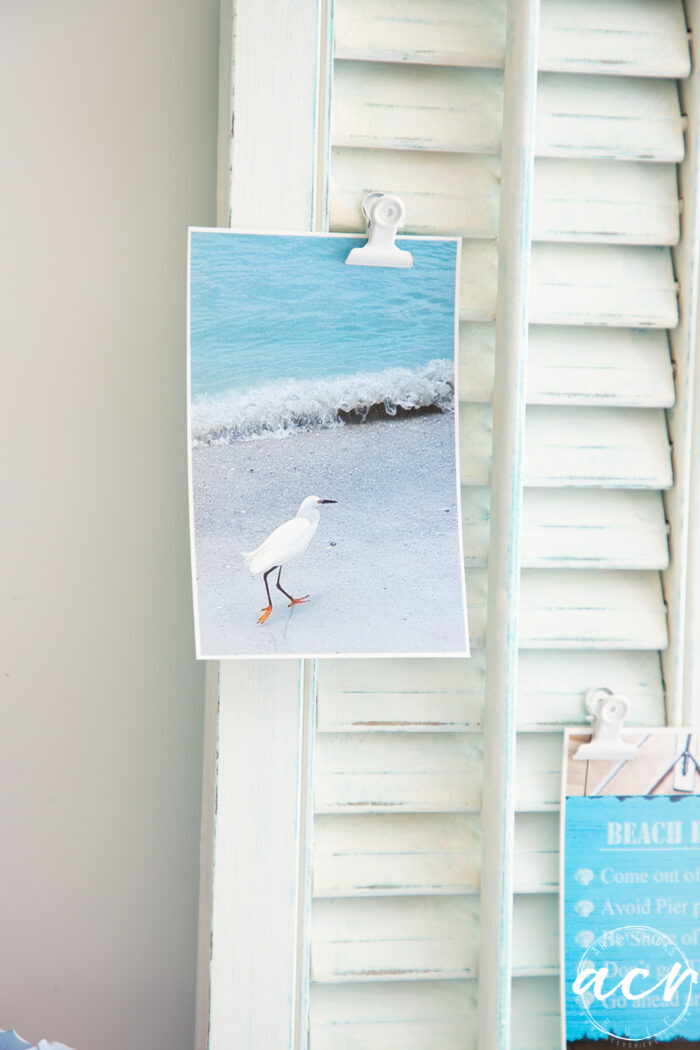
x: 383, y: 572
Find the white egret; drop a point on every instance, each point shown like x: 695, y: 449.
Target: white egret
x: 287, y: 540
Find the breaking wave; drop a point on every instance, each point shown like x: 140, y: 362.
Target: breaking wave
x: 282, y: 408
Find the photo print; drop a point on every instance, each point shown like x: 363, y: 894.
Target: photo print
x: 324, y: 489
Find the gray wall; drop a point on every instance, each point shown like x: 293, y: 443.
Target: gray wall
x: 108, y: 151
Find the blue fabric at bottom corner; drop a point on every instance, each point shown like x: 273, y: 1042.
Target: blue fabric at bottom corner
x: 11, y: 1041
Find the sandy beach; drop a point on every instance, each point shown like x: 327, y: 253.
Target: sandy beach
x: 382, y: 573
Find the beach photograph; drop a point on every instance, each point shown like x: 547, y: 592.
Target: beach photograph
x: 324, y: 488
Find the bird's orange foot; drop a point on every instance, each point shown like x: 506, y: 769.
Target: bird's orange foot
x: 298, y: 601
x: 265, y: 613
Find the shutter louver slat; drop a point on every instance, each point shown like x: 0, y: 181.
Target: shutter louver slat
x: 567, y: 365
x: 445, y: 193
x: 477, y: 595
x: 382, y: 106
x: 394, y: 938
x: 614, y: 37
x: 606, y: 529
x: 389, y: 697
x: 575, y: 528
x: 538, y: 773
x: 616, y: 118
x: 477, y: 280
x: 607, y: 202
x: 535, y: 934
x: 606, y: 610
x: 415, y: 1015
x: 578, y: 285
x: 354, y: 696
x: 597, y: 446
x: 390, y: 854
x: 398, y: 772
x: 626, y: 367
x: 458, y: 193
x: 551, y: 684
x: 576, y: 447
x: 395, y: 106
x: 618, y: 37
x: 448, y: 34
x: 590, y: 284
x: 536, y: 1021
x: 537, y: 853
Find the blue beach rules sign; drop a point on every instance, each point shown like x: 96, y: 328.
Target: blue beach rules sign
x: 630, y: 900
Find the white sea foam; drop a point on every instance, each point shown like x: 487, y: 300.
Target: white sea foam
x: 282, y: 408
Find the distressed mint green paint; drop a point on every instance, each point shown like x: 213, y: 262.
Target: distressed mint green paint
x: 517, y: 159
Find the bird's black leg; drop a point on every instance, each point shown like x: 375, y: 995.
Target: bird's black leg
x: 265, y: 575
x: 268, y: 608
x: 292, y: 601
x: 280, y: 587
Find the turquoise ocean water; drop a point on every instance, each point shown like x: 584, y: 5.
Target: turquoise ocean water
x: 284, y: 335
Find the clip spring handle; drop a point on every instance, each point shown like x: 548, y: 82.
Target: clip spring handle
x: 384, y: 214
x: 607, y: 712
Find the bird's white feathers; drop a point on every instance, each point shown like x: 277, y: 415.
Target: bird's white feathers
x: 284, y: 543
x: 287, y: 540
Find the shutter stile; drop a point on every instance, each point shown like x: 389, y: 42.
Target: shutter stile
x: 680, y: 580
x: 253, y: 956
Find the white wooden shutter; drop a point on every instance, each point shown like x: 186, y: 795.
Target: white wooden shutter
x: 390, y: 754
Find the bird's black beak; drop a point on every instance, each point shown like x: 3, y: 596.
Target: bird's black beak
x: 328, y: 501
